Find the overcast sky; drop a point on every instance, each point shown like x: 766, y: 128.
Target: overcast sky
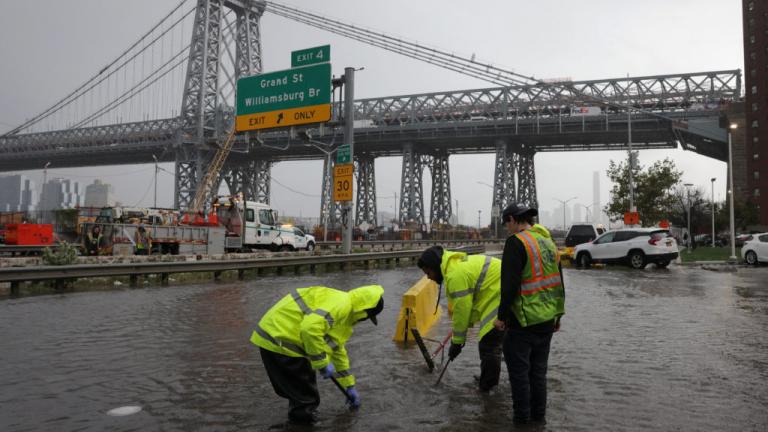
x: 49, y: 47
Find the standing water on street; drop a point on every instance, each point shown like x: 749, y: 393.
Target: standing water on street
x: 678, y: 349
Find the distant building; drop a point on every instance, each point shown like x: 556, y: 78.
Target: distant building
x: 755, y: 13
x: 60, y: 193
x: 577, y: 213
x: 98, y: 194
x: 17, y: 194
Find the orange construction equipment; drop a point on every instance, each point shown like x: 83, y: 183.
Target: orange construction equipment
x: 29, y: 234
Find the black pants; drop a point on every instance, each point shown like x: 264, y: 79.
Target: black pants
x: 293, y: 379
x: 527, y: 355
x: 490, y: 359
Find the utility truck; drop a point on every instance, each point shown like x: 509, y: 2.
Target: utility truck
x: 254, y: 225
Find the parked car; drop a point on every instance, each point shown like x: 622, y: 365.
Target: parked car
x: 742, y: 238
x: 636, y: 247
x: 755, y: 250
x: 582, y: 233
x: 706, y: 240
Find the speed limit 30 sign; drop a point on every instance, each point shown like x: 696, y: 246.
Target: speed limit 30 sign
x: 342, y: 182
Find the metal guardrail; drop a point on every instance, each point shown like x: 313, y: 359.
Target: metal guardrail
x: 15, y: 275
x: 408, y: 244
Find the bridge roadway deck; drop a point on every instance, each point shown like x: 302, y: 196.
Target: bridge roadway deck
x: 122, y: 144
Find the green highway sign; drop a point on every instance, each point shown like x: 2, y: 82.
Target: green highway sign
x: 342, y: 154
x: 284, y: 98
x: 310, y: 56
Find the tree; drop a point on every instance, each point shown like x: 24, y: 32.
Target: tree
x: 695, y: 198
x: 745, y: 212
x: 653, y: 190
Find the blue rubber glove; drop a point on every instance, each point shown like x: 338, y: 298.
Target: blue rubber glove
x: 327, y: 371
x: 354, y: 399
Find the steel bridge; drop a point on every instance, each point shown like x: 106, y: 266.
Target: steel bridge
x: 514, y: 122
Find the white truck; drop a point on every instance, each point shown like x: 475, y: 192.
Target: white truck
x: 253, y: 225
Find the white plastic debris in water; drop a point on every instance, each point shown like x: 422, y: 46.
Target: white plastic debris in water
x: 124, y: 411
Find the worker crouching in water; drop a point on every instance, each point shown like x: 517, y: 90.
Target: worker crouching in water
x: 472, y: 287
x: 306, y: 332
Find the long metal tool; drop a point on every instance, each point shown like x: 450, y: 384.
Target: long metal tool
x: 423, y: 349
x: 442, y: 344
x: 343, y: 390
x: 440, y: 378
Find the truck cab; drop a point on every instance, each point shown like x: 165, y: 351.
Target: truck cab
x: 251, y: 224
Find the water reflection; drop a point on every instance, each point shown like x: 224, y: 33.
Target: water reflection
x: 679, y: 349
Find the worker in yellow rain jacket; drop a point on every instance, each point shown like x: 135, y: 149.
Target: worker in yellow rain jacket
x: 472, y: 287
x: 306, y: 332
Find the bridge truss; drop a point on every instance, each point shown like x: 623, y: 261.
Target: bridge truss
x: 515, y: 119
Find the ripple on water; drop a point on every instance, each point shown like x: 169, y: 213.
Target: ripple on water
x: 638, y: 351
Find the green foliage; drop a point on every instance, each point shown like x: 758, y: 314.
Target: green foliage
x: 745, y: 212
x: 65, y: 254
x: 653, y: 190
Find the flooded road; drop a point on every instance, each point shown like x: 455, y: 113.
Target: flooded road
x: 680, y: 349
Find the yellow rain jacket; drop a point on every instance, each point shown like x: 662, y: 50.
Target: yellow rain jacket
x: 472, y: 284
x: 315, y: 323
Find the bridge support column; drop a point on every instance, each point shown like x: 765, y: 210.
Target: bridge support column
x: 526, y: 175
x: 504, y: 191
x: 330, y: 210
x: 209, y: 77
x: 440, y: 205
x: 252, y: 179
x: 185, y: 182
x: 366, y: 189
x: 411, y: 190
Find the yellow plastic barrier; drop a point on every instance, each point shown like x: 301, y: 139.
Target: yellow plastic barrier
x: 566, y: 256
x: 418, y: 310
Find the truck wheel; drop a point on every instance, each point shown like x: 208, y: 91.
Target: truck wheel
x: 286, y: 248
x: 637, y: 260
x: 662, y: 264
x: 751, y: 258
x: 584, y: 260
x: 310, y: 246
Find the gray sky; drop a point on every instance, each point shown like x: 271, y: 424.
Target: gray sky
x: 50, y: 46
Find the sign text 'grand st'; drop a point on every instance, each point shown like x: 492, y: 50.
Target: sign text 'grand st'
x: 284, y: 98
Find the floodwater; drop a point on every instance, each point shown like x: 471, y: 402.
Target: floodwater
x: 678, y: 349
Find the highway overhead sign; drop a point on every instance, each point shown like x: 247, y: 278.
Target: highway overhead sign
x: 342, y: 182
x: 343, y: 154
x: 284, y: 98
x: 310, y: 56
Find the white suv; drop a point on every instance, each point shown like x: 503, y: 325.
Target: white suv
x: 636, y: 247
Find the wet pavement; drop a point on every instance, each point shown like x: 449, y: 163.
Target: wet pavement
x: 678, y: 349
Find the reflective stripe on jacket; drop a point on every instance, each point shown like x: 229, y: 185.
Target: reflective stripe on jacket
x: 542, y: 295
x: 472, y: 284
x: 315, y: 323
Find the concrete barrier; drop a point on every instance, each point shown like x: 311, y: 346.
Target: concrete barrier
x: 418, y: 310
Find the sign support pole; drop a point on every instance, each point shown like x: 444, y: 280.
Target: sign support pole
x: 348, y: 209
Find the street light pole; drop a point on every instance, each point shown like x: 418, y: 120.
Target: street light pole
x: 155, y: 158
x: 494, y: 211
x: 688, y: 195
x: 478, y: 221
x: 42, y: 191
x: 564, y: 203
x: 730, y: 191
x: 713, y: 211
x: 457, y: 213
